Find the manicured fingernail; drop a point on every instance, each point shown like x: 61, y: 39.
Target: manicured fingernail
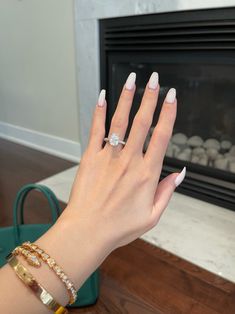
x: 101, y: 99
x: 170, y: 97
x: 130, y: 82
x: 153, y: 81
x: 180, y: 177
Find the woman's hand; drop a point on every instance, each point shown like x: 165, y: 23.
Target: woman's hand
x: 117, y: 188
x: 115, y: 198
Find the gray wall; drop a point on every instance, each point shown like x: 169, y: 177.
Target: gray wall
x: 37, y: 66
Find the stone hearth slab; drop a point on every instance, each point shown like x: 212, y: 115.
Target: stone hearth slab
x: 194, y: 230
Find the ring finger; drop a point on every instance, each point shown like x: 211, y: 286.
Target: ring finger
x: 120, y: 118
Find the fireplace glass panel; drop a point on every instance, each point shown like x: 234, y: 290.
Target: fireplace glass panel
x: 193, y: 51
x: 204, y: 131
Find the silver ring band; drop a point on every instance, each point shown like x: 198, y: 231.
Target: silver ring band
x: 114, y: 140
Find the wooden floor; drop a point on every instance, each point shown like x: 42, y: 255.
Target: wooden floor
x: 138, y: 278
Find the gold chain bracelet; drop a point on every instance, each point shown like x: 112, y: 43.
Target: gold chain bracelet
x: 31, y: 252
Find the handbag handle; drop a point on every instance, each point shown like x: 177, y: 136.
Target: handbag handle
x: 19, y: 205
x: 50, y: 195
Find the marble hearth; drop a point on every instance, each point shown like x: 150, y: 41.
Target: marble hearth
x: 194, y: 230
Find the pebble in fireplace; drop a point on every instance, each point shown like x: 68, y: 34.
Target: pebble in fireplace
x: 209, y: 152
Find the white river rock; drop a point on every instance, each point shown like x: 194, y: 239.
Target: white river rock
x: 184, y: 156
x: 179, y: 139
x: 195, y: 141
x: 212, y: 143
x: 226, y: 145
x: 203, y: 160
x: 198, y: 151
x: 232, y: 150
x: 221, y: 163
x: 212, y: 153
x: 195, y: 159
x: 232, y: 166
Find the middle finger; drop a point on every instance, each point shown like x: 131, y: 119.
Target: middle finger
x: 143, y: 118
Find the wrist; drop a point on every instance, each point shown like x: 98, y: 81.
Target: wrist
x: 76, y: 246
x: 91, y: 230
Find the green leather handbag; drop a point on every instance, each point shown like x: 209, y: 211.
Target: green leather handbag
x: 12, y: 236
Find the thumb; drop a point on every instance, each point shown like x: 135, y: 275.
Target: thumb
x: 165, y: 190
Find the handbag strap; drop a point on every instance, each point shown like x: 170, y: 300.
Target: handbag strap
x: 19, y: 205
x: 50, y: 195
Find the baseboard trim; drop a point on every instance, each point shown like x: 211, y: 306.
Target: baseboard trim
x: 53, y: 145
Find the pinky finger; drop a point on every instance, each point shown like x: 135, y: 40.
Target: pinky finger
x: 164, y: 193
x: 97, y: 131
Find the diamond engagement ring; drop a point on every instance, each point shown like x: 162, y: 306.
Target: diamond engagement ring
x: 114, y: 140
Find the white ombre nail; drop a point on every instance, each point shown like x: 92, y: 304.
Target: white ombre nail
x: 180, y: 177
x: 101, y: 99
x: 170, y: 97
x: 130, y: 82
x: 153, y: 81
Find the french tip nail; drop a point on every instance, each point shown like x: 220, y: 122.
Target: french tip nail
x: 170, y: 97
x: 180, y: 177
x: 130, y: 82
x: 101, y: 99
x: 153, y: 81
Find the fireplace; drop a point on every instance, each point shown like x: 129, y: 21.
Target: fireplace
x: 194, y: 52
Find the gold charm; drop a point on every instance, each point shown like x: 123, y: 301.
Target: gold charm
x: 32, y: 259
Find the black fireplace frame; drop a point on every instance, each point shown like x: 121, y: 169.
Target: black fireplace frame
x: 211, y: 29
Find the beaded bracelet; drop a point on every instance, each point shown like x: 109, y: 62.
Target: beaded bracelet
x: 31, y: 252
x: 41, y: 293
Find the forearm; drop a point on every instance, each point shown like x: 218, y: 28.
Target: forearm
x: 75, y: 248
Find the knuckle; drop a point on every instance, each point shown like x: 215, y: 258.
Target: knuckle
x: 151, y: 96
x: 145, y: 177
x: 142, y: 122
x: 163, y: 135
x: 98, y: 114
x: 96, y: 129
x: 126, y: 97
x: 87, y: 160
x: 119, y: 122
